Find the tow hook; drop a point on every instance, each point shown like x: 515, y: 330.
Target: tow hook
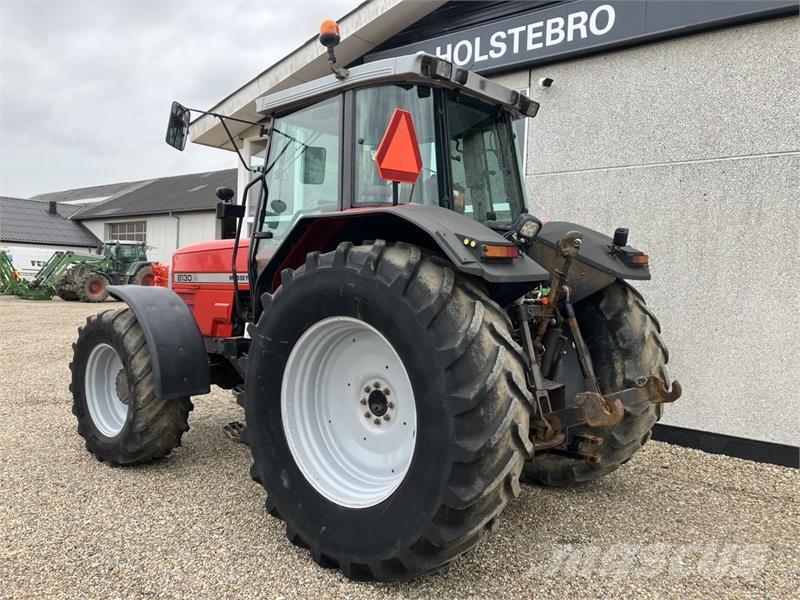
x: 650, y: 388
x: 666, y: 394
x: 598, y: 410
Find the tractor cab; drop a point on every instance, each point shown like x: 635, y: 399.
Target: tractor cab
x: 404, y: 143
x: 468, y: 161
x: 123, y: 254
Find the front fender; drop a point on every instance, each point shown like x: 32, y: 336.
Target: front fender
x: 177, y: 352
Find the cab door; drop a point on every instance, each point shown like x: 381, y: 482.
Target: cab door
x: 303, y: 173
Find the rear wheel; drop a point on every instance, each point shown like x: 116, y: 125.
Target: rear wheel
x: 387, y: 412
x: 144, y: 276
x: 93, y: 287
x: 625, y: 344
x: 119, y: 415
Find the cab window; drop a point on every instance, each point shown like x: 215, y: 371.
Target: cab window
x: 303, y: 168
x: 374, y: 109
x: 483, y: 163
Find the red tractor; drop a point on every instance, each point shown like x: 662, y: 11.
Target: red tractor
x: 407, y: 341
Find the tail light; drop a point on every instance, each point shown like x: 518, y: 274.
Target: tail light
x: 499, y: 251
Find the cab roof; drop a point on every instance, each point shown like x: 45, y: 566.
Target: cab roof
x: 414, y: 68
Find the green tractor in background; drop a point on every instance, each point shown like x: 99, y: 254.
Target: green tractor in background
x: 80, y: 276
x: 121, y: 263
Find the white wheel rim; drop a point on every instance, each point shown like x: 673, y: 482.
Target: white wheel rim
x: 349, y: 453
x: 108, y: 413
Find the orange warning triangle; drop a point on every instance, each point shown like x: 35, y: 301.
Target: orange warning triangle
x: 398, y: 156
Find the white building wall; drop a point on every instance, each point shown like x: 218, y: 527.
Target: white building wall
x: 680, y: 142
x: 165, y: 233
x: 29, y: 258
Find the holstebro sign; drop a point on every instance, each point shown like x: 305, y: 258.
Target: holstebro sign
x: 576, y: 27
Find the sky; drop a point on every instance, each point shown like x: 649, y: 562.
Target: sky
x: 86, y: 86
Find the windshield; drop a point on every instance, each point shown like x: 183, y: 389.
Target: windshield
x: 482, y: 160
x: 127, y: 252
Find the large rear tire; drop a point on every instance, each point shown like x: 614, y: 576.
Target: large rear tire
x: 625, y: 344
x: 144, y: 276
x: 119, y: 415
x: 93, y: 287
x: 355, y: 323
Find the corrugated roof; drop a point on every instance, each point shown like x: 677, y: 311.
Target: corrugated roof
x: 90, y: 193
x: 182, y: 193
x: 30, y: 222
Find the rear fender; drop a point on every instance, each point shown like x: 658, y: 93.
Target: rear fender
x: 177, y: 352
x: 595, y: 268
x: 437, y: 229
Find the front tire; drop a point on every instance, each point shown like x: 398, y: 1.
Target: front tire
x: 67, y: 295
x: 119, y: 415
x: 457, y: 374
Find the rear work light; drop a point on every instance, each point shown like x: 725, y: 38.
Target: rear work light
x: 493, y: 251
x: 437, y: 68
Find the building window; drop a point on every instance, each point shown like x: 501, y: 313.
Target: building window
x: 131, y: 231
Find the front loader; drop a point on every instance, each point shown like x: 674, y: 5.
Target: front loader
x: 49, y: 280
x: 408, y: 342
x: 86, y: 277
x: 121, y: 263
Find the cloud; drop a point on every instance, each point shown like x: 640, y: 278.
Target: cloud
x: 85, y: 87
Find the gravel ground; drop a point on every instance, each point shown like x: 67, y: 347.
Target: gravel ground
x: 673, y: 522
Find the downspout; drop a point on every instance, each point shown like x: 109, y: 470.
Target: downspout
x: 177, y: 230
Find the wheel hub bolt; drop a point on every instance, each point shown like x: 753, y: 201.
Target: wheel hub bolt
x: 377, y: 421
x: 363, y: 401
x: 386, y: 391
x: 387, y: 418
x: 367, y: 415
x: 391, y: 404
x: 377, y: 385
x: 367, y: 389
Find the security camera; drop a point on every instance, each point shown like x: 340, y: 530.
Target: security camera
x: 545, y: 82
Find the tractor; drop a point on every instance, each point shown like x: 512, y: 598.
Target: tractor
x: 121, y: 263
x: 407, y: 341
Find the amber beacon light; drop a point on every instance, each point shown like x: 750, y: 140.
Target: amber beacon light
x: 329, y: 37
x: 329, y: 33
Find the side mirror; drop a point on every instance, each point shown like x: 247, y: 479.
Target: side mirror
x: 278, y: 206
x: 178, y: 126
x: 225, y: 194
